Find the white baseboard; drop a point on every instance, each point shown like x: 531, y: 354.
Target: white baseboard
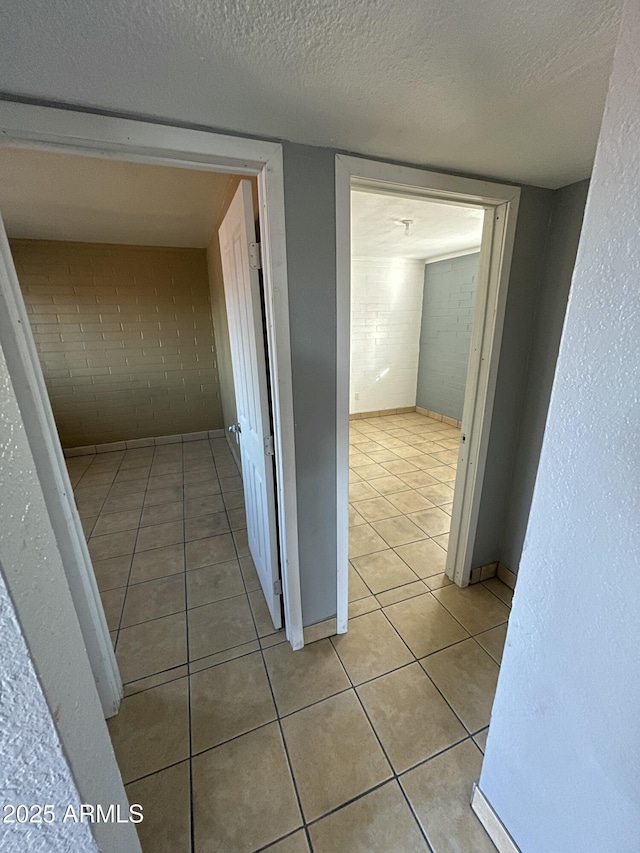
x: 492, y: 824
x: 135, y: 443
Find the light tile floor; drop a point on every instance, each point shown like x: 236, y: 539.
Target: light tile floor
x: 232, y: 742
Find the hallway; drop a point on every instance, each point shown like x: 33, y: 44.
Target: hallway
x: 232, y: 742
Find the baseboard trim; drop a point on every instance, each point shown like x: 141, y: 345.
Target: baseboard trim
x: 507, y: 576
x: 483, y: 573
x: 492, y: 824
x: 436, y: 416
x: 381, y: 413
x: 135, y: 443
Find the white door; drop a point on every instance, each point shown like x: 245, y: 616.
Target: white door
x: 246, y: 335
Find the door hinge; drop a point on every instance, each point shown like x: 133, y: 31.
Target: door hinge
x: 269, y: 449
x: 277, y: 587
x: 255, y: 256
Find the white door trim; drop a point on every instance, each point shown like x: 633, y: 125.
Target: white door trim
x: 501, y: 203
x: 146, y: 142
x: 494, y: 827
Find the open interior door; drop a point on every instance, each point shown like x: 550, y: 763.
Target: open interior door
x: 246, y: 334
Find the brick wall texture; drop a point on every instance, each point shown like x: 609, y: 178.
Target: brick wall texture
x: 447, y: 318
x: 125, y: 338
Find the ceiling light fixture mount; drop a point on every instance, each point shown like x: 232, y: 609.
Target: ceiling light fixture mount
x: 407, y: 226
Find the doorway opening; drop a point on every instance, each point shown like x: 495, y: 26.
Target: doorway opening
x: 120, y: 275
x: 414, y: 271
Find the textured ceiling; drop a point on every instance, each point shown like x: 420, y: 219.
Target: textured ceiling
x: 50, y: 196
x: 377, y: 229
x: 506, y: 88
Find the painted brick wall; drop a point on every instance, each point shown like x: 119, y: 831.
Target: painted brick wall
x: 386, y: 304
x: 445, y: 336
x: 125, y: 338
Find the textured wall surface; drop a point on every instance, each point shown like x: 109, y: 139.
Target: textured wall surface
x: 505, y: 89
x: 125, y: 338
x: 386, y: 302
x: 563, y: 756
x: 445, y: 335
x: 559, y: 261
x: 33, y: 768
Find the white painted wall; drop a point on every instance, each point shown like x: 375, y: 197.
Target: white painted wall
x: 562, y: 767
x: 41, y: 755
x: 386, y: 312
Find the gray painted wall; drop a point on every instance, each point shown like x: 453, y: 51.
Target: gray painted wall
x: 310, y: 217
x: 562, y: 766
x: 560, y: 258
x: 445, y: 336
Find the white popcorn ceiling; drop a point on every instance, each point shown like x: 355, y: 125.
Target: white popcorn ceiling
x: 506, y: 88
x: 378, y: 229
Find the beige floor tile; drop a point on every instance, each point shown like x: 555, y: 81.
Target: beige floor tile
x: 170, y: 494
x: 370, y: 648
x: 116, y: 522
x: 383, y: 570
x: 474, y: 607
x: 357, y: 458
x: 203, y: 526
x: 437, y: 581
x: 424, y: 624
x: 161, y: 513
x: 209, y: 551
x: 371, y: 471
x: 219, y: 626
x: 379, y: 822
x: 366, y: 446
x: 402, y: 466
x: 410, y: 501
x: 166, y: 802
x: 241, y: 541
x: 263, y: 620
x: 123, y: 503
x: 447, y: 457
x: 306, y: 676
x: 401, y: 593
x: 296, y: 843
x: 155, y: 680
x: 499, y: 589
x: 466, y: 676
x: 234, y: 499
x: 375, y: 509
x: 160, y: 535
x: 406, y: 452
x: 433, y: 521
x: 362, y: 606
x: 481, y: 739
x: 231, y: 484
x: 151, y: 730
x: 379, y: 456
x: 207, y: 505
x: 195, y: 491
x: 165, y: 481
x: 223, y: 656
x: 112, y: 545
x: 398, y: 531
x: 425, y: 557
x: 152, y: 647
x: 445, y: 474
x: 113, y: 572
x: 237, y: 518
x: 153, y: 599
x: 354, y: 517
x: 390, y: 485
x: 249, y: 574
x: 364, y: 540
x: 443, y: 541
x: 439, y: 792
x: 229, y: 700
x: 357, y: 587
x: 492, y: 641
x: 129, y: 487
x: 409, y: 716
x: 88, y: 523
x: 419, y: 479
x: 214, y: 583
x: 361, y: 492
x: 112, y: 602
x: 243, y: 794
x: 334, y: 753
x: 149, y: 565
x: 438, y: 494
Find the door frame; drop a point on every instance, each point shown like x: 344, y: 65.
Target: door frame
x: 500, y: 202
x: 133, y: 140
